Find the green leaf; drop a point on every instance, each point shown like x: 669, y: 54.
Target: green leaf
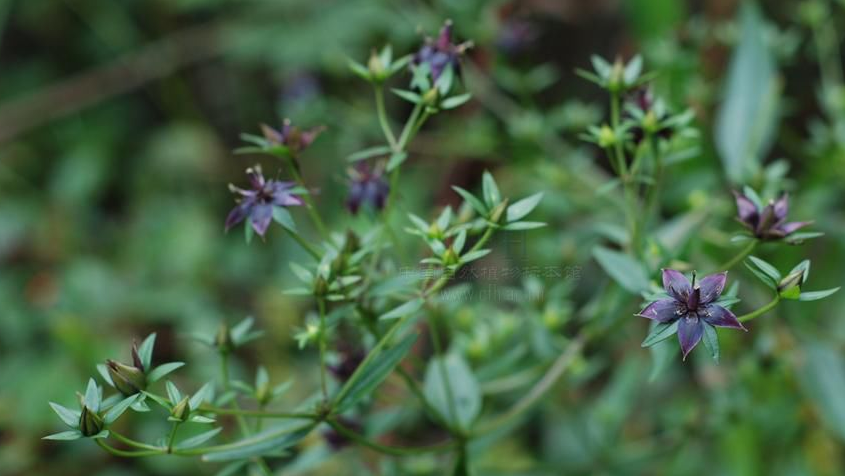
x: 626, y: 271
x: 92, y: 396
x: 633, y: 69
x: 272, y: 440
x: 474, y: 255
x: 145, y: 350
x: 173, y: 393
x: 64, y: 436
x: 492, y: 197
x: 68, y: 416
x: 472, y: 200
x: 523, y: 207
x: 114, y: 412
x: 240, y: 331
x: 409, y: 307
x: 199, y: 439
x: 408, y: 96
x: 523, y: 225
x: 816, y: 295
x: 711, y: 341
x: 747, y: 117
x: 232, y: 469
x: 283, y: 217
x: 368, y: 153
x: 822, y: 377
x: 455, y: 101
x: 157, y: 373
x: 396, y: 159
x: 799, y: 238
x: 763, y: 270
x: 601, y: 66
x: 359, y: 69
x: 203, y: 394
x: 450, y: 385
x: 661, y: 332
x: 372, y: 372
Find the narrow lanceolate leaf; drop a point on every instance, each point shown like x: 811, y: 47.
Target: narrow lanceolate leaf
x: 409, y: 307
x: 523, y: 207
x: 372, y: 372
x: 272, y: 440
x: 68, y: 416
x: 173, y: 393
x: 92, y: 396
x: 523, y: 225
x: 770, y: 278
x: 492, y: 197
x: 284, y: 218
x: 472, y: 200
x: 64, y: 436
x: 368, y: 153
x: 711, y: 341
x: 157, y: 373
x: 626, y: 271
x: 661, y: 332
x: 453, y: 390
x: 408, y: 96
x: 474, y: 255
x: 145, y: 350
x: 816, y: 295
x: 455, y: 101
x: 199, y: 439
x: 396, y: 159
x: 119, y: 408
x: 201, y: 395
x: 241, y: 329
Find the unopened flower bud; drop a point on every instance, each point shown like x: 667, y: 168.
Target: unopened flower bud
x: 223, y: 341
x: 790, y: 286
x: 352, y: 243
x: 499, y: 212
x: 375, y: 66
x: 262, y: 393
x: 434, y: 232
x: 127, y: 379
x: 607, y: 138
x: 431, y: 97
x: 616, y: 81
x: 89, y: 422
x: 450, y: 257
x: 321, y: 287
x: 181, y: 410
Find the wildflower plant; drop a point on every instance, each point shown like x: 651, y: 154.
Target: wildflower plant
x: 367, y: 322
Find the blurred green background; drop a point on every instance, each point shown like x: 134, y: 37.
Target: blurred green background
x: 117, y: 121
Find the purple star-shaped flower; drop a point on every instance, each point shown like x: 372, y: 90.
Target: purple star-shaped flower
x: 693, y: 306
x: 290, y: 136
x: 441, y: 53
x: 768, y: 223
x: 366, y: 186
x: 257, y: 204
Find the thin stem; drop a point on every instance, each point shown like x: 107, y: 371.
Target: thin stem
x: 541, y: 387
x: 739, y: 257
x: 309, y: 203
x: 759, y: 312
x: 653, y: 196
x: 172, y: 438
x: 410, y: 125
x: 382, y: 116
x: 259, y: 413
x: 390, y: 450
x: 323, y: 344
x: 127, y: 454
x: 133, y: 443
x: 305, y: 245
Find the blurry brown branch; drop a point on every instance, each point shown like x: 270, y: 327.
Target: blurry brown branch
x: 157, y: 60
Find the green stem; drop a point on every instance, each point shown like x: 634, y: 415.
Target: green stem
x: 541, y: 387
x: 259, y: 413
x: 127, y: 454
x: 323, y: 344
x: 133, y: 443
x: 759, y: 312
x: 653, y: 197
x: 305, y: 245
x: 172, y: 438
x: 739, y: 257
x: 389, y: 450
x: 309, y: 202
x: 382, y: 116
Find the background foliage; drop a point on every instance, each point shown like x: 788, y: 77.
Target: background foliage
x: 117, y: 120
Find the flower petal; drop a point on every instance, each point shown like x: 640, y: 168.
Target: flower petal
x: 712, y: 287
x: 791, y: 227
x: 781, y: 207
x: 746, y: 209
x: 676, y: 284
x: 718, y: 316
x: 238, y: 214
x: 690, y: 330
x: 261, y: 217
x: 663, y: 310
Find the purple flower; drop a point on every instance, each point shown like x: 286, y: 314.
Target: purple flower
x: 693, y: 306
x: 290, y: 136
x: 257, y: 204
x: 769, y: 222
x: 366, y: 186
x: 441, y: 53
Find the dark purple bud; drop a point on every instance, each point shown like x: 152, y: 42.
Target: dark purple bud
x: 367, y: 186
x: 768, y: 223
x: 295, y: 139
x: 440, y: 53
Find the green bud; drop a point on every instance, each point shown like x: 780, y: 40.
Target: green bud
x: 650, y: 123
x: 338, y: 264
x: 434, y: 232
x: 262, y: 393
x: 321, y: 287
x: 616, y: 81
x: 790, y: 286
x: 376, y: 67
x: 127, y: 379
x: 431, y: 97
x: 89, y: 422
x: 450, y: 257
x: 223, y: 341
x: 181, y: 410
x: 607, y: 138
x: 498, y: 213
x: 352, y: 243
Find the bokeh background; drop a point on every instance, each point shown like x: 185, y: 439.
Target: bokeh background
x: 117, y: 122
